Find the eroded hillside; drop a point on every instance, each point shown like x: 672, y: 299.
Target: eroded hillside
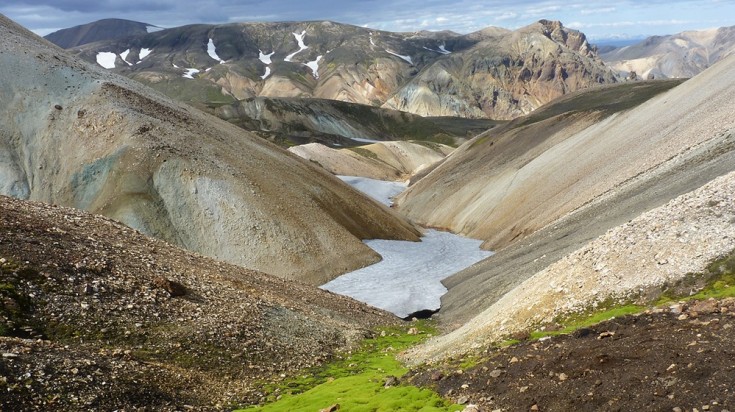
x: 78, y: 136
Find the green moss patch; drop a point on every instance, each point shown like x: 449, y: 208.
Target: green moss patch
x: 357, y: 382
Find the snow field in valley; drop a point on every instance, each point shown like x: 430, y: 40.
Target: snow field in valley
x: 408, y: 279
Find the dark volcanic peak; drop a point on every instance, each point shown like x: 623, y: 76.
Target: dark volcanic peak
x: 106, y: 29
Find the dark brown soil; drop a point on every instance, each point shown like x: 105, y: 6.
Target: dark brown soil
x: 657, y: 361
x: 96, y: 316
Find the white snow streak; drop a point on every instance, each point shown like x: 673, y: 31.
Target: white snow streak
x: 371, y: 39
x: 265, y: 58
x: 124, y: 56
x: 106, y: 59
x: 408, y: 279
x: 441, y: 50
x: 444, y: 50
x: 380, y: 190
x: 143, y: 54
x: 153, y: 29
x: 302, y: 46
x: 406, y: 58
x: 190, y: 73
x: 314, y: 66
x: 212, y: 51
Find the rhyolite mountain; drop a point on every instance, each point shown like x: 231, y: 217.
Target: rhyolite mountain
x: 680, y: 55
x: 106, y: 29
x: 74, y: 134
x: 493, y: 73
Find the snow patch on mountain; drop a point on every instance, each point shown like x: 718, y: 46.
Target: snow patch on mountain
x: 143, y: 54
x: 153, y: 29
x: 406, y: 58
x: 267, y: 73
x: 124, y: 57
x: 302, y: 45
x: 106, y: 59
x: 314, y: 66
x: 265, y: 58
x: 212, y: 51
x: 190, y: 72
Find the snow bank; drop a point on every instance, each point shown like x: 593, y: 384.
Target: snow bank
x: 212, y: 51
x: 302, y: 46
x: 314, y: 66
x: 124, y: 56
x: 265, y: 58
x: 406, y: 58
x: 267, y: 73
x: 143, y: 54
x: 380, y: 190
x: 408, y: 279
x: 153, y: 29
x: 190, y: 73
x: 106, y: 59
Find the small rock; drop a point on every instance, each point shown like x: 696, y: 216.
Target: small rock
x: 563, y: 377
x: 58, y: 107
x: 332, y: 408
x: 523, y: 389
x: 437, y: 376
x: 173, y: 288
x: 672, y: 366
x: 463, y: 400
x: 10, y: 355
x: 465, y: 386
x: 705, y: 307
x: 604, y: 335
x: 534, y: 407
x: 495, y: 373
x: 705, y: 407
x: 683, y: 316
x: 413, y: 331
x: 513, y: 360
x: 390, y: 381
x: 677, y: 309
x: 676, y: 409
x: 471, y: 408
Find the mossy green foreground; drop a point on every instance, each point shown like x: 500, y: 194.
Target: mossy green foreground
x: 357, y: 381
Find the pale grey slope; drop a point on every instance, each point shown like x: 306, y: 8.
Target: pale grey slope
x: 76, y: 135
x: 573, y: 180
x: 681, y: 55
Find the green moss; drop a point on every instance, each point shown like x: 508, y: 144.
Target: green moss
x: 356, y: 382
x: 575, y: 322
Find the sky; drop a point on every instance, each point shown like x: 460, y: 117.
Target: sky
x: 599, y: 20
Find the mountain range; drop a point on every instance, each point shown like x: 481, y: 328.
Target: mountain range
x: 493, y: 73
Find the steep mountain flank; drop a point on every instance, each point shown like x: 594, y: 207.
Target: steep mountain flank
x: 78, y: 136
x: 106, y: 29
x: 668, y: 146
x: 505, y: 75
x: 680, y: 55
x: 510, y: 73
x: 382, y: 161
x: 95, y: 315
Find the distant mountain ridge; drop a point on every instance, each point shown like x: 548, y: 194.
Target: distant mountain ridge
x: 679, y: 55
x: 495, y: 73
x: 106, y: 29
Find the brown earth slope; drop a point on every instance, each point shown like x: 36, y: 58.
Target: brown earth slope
x: 75, y: 135
x: 128, y: 321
